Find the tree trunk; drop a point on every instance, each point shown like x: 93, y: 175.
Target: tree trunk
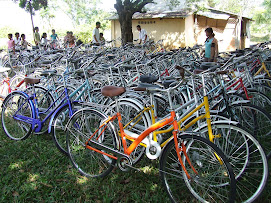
x: 31, y: 15
x: 125, y: 20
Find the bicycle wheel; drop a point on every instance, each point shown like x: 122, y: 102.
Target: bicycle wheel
x: 259, y: 99
x: 58, y: 126
x: 78, y: 130
x: 45, y: 100
x: 256, y: 121
x: 214, y: 181
x: 129, y: 109
x: 16, y: 104
x: 246, y: 156
x: 15, y: 81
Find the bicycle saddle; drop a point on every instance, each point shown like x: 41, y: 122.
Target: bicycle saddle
x: 148, y: 78
x: 128, y: 66
x: 112, y: 91
x: 198, y: 71
x: 48, y: 72
x: 207, y: 65
x: 46, y: 62
x: 167, y: 83
x: 28, y: 80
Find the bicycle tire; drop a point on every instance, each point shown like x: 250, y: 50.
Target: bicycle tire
x: 78, y: 130
x: 256, y: 121
x: 128, y: 109
x: 259, y: 99
x: 16, y: 102
x: 59, y: 122
x: 246, y: 156
x: 215, y: 181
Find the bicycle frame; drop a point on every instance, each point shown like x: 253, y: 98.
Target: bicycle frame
x: 35, y: 121
x: 128, y: 150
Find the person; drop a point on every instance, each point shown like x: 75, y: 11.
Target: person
x: 66, y: 38
x: 17, y: 41
x: 36, y: 36
x: 24, y: 43
x: 102, y: 38
x: 211, y: 46
x: 96, y: 35
x: 44, y: 39
x: 54, y: 36
x: 11, y: 43
x: 143, y: 37
x: 71, y: 39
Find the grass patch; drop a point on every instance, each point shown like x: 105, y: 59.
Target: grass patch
x: 34, y: 170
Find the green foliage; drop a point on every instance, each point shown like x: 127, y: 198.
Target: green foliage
x: 35, y: 4
x: 83, y: 11
x: 84, y: 15
x: 172, y: 3
x: 261, y: 25
x: 4, y: 31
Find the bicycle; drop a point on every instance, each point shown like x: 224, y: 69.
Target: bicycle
x: 91, y: 136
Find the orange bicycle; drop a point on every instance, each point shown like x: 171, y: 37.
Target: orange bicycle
x: 96, y: 143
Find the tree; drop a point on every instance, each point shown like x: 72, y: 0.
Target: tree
x: 126, y: 10
x: 31, y: 6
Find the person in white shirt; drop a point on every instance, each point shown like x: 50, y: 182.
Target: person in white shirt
x: 17, y: 41
x: 96, y: 34
x: 143, y: 37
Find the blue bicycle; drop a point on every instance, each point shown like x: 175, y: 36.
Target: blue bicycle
x: 24, y: 113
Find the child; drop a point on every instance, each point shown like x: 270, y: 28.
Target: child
x: 66, y: 39
x: 54, y: 36
x: 17, y: 41
x: 102, y: 38
x: 24, y: 43
x: 11, y: 44
x: 44, y: 39
x: 36, y: 36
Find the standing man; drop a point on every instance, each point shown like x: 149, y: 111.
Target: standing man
x: 143, y: 37
x: 96, y: 34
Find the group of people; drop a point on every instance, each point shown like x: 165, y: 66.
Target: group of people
x: 210, y: 51
x: 19, y: 42
x: 97, y: 37
x: 43, y: 39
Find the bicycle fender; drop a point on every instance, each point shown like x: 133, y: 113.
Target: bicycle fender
x: 227, y: 122
x: 54, y: 114
x: 240, y: 102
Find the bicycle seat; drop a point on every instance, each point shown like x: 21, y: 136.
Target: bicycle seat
x: 128, y: 66
x: 4, y: 69
x: 148, y: 78
x: 112, y: 91
x: 48, y: 72
x: 145, y: 86
x: 46, y: 62
x: 110, y: 57
x: 198, y: 71
x: 32, y: 81
x: 207, y: 65
x: 242, y: 65
x: 167, y: 83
